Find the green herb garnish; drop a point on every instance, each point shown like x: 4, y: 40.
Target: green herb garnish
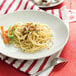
x: 35, y: 24
x: 28, y: 31
x: 36, y: 31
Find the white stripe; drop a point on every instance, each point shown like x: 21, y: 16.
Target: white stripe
x: 36, y: 67
x: 22, y: 5
x: 26, y: 65
x: 9, y: 60
x: 1, y: 1
x: 56, y: 12
x: 29, y: 5
x: 49, y: 60
x: 5, y: 6
x: 35, y: 8
x: 13, y: 7
x: 49, y: 11
x: 17, y: 63
x: 47, y: 72
x: 64, y: 13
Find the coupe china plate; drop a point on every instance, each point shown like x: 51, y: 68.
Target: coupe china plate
x: 58, y: 27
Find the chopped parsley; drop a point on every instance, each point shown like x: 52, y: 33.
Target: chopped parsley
x: 35, y: 24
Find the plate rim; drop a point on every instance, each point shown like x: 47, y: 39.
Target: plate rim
x: 48, y: 54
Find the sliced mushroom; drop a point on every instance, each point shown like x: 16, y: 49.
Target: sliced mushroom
x: 21, y: 40
x: 38, y: 2
x: 47, y: 2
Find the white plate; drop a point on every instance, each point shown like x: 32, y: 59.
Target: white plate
x: 59, y: 30
x: 51, y: 5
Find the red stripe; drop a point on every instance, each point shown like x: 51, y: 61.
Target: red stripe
x: 26, y: 4
x: 9, y: 6
x: 31, y: 66
x: 43, y: 64
x: 13, y: 61
x: 18, y: 5
x: 60, y: 15
x: 32, y: 6
x: 45, y: 10
x: 6, y: 58
x: 22, y: 64
x: 52, y: 11
x: 2, y: 4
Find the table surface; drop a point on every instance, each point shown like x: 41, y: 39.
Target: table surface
x: 69, y: 53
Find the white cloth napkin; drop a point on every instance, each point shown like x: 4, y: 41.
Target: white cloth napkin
x: 72, y: 15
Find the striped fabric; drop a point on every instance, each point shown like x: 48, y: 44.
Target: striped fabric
x: 28, y: 66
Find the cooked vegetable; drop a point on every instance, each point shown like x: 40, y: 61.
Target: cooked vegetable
x: 11, y: 41
x: 4, y: 35
x: 6, y: 31
x: 11, y: 29
x: 35, y: 24
x: 8, y: 34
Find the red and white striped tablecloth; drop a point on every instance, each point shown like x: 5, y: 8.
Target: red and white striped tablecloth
x: 29, y: 66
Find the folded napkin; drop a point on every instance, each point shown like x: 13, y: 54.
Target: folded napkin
x: 72, y: 15
x: 30, y: 66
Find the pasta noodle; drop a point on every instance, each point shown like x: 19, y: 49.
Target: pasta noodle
x: 32, y: 37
